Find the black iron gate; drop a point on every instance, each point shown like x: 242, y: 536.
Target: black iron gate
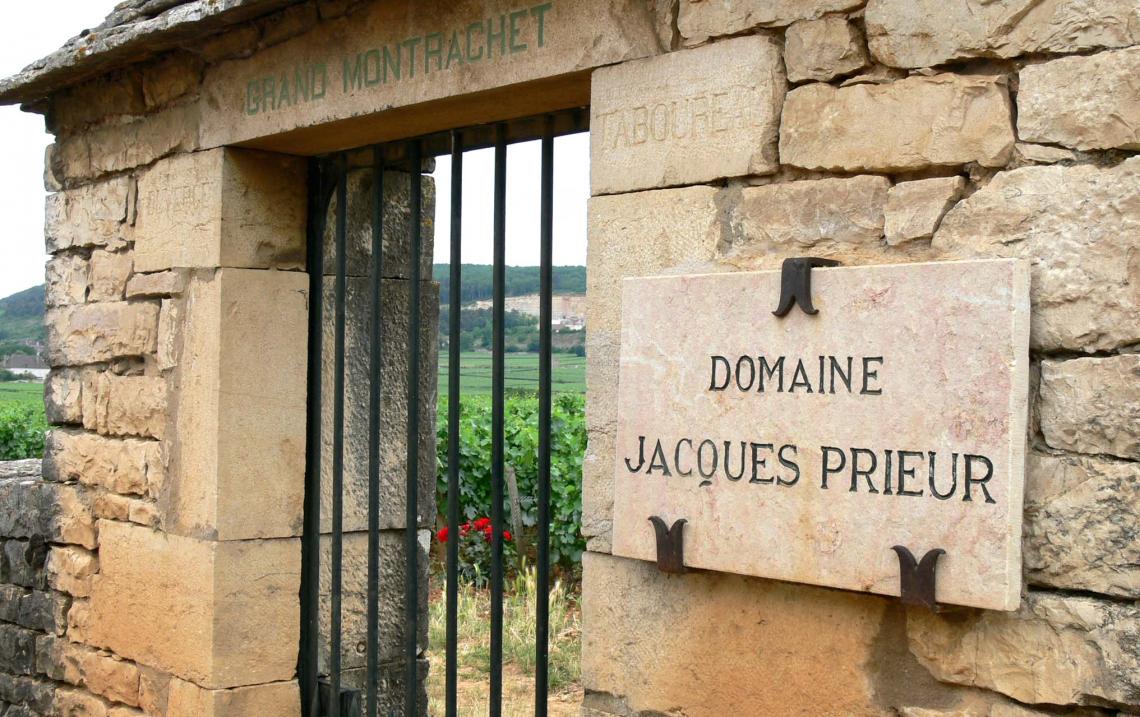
x: 328, y: 179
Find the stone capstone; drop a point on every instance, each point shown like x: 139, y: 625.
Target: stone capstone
x: 823, y: 49
x: 1092, y: 405
x: 922, y: 33
x: 1086, y: 103
x: 701, y: 19
x: 1074, y: 224
x: 942, y: 120
x: 915, y: 209
x: 158, y: 284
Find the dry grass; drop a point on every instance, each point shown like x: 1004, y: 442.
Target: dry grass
x: 474, y: 639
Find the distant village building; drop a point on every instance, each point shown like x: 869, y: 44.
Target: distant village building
x: 567, y: 311
x: 23, y: 364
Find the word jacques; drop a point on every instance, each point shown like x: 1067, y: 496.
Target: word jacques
x: 499, y: 36
x: 880, y: 472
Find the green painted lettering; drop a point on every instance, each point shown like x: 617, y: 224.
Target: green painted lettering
x: 454, y: 52
x: 394, y: 61
x: 474, y: 58
x: 411, y: 45
x: 321, y: 71
x: 539, y: 11
x: 492, y: 35
x: 284, y: 97
x: 514, y: 43
x: 372, y: 68
x: 268, y: 94
x: 302, y: 84
x: 433, y: 47
x: 253, y: 97
x: 353, y: 74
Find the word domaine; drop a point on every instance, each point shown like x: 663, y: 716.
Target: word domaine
x: 851, y: 374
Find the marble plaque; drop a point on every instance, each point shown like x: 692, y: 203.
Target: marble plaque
x: 803, y: 448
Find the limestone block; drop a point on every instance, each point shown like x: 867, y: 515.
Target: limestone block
x: 107, y: 278
x: 158, y: 284
x: 392, y: 430
x: 33, y: 695
x: 57, y: 512
x: 17, y: 650
x: 392, y: 616
x: 702, y: 19
x: 93, y: 333
x: 65, y: 280
x: 396, y: 244
x: 82, y: 666
x: 1074, y: 224
x: 1028, y: 153
x: 275, y: 699
x: 823, y: 49
x: 942, y: 120
x: 173, y: 76
x: 1092, y: 405
x: 223, y: 207
x: 1082, y: 102
x: 915, y: 209
x: 90, y: 216
x: 44, y: 611
x: 70, y: 568
x: 219, y: 614
x: 239, y: 424
x: 169, y: 326
x: 117, y: 147
x: 1057, y: 649
x: 1079, y: 524
x: 799, y: 215
x: 125, y: 405
x: 118, y: 465
x: 18, y: 567
x: 680, y: 118
x: 63, y: 395
x: 921, y: 33
x: 661, y: 644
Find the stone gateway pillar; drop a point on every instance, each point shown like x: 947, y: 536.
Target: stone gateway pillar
x: 150, y: 566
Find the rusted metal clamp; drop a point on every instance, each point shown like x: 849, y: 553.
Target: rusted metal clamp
x: 795, y: 283
x: 670, y: 546
x: 916, y: 579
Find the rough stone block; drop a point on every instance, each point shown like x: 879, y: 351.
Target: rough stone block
x: 117, y: 465
x: 1082, y: 102
x: 680, y: 119
x: 65, y: 280
x: 942, y: 120
x: 90, y: 216
x: 1080, y: 531
x: 915, y: 209
x: 1074, y: 224
x: 63, y: 396
x: 238, y: 430
x: 824, y: 49
x: 33, y: 695
x: 17, y: 650
x: 107, y: 278
x: 275, y: 699
x: 1092, y: 405
x: 393, y: 378
x: 1057, y: 649
x: 116, y: 147
x: 93, y: 333
x: 921, y: 33
x: 219, y: 614
x: 69, y: 569
x: 169, y: 328
x: 58, y: 513
x: 125, y: 405
x: 101, y: 673
x: 18, y: 565
x: 701, y: 19
x: 221, y: 208
x: 44, y: 611
x: 158, y: 284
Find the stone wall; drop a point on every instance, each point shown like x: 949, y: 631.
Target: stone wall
x: 879, y: 132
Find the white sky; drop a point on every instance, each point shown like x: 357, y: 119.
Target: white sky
x: 32, y: 30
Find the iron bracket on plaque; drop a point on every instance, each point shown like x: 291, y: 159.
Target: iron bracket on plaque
x: 795, y: 283
x: 670, y: 545
x: 917, y: 578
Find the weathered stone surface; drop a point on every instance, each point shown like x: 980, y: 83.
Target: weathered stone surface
x: 173, y: 76
x: 669, y: 120
x: 118, y: 465
x: 1092, y: 405
x: 107, y: 278
x: 44, y: 611
x: 639, y: 234
x: 702, y: 19
x: 158, y: 284
x: 118, y: 147
x: 58, y: 513
x: 239, y: 422
x: 823, y: 49
x: 17, y: 650
x: 275, y: 699
x: 1082, y: 102
x: 1074, y: 224
x: 1080, y: 524
x: 973, y: 379
x: 921, y: 33
x: 220, y: 614
x: 1028, y: 153
x: 94, y: 333
x: 169, y: 333
x: 18, y: 566
x: 90, y: 216
x: 799, y: 215
x: 125, y: 405
x: 393, y: 378
x: 99, y: 672
x: 65, y: 280
x: 915, y: 209
x: 63, y: 396
x: 1057, y: 649
x: 943, y: 120
x: 70, y: 568
x: 222, y: 207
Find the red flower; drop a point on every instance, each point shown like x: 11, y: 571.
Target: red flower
x: 464, y: 530
x: 442, y: 534
x: 506, y: 535
x: 482, y: 523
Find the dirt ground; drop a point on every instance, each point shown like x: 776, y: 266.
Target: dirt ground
x: 518, y: 693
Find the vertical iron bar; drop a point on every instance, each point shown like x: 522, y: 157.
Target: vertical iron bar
x: 411, y: 525
x: 311, y: 543
x: 455, y: 290
x: 546, y: 241
x: 498, y: 281
x: 374, y: 386
x: 338, y: 430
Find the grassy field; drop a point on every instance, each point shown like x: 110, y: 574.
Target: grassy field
x: 521, y: 372
x: 20, y: 392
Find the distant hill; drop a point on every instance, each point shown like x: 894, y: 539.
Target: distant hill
x: 21, y: 319
x: 519, y: 281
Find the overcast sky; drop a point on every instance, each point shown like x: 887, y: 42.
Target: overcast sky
x: 32, y: 30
